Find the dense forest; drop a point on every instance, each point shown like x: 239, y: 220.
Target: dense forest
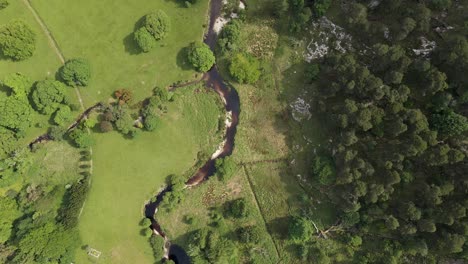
x: 395, y: 108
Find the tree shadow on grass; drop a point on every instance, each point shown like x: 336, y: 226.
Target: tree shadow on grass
x: 182, y: 61
x: 130, y: 44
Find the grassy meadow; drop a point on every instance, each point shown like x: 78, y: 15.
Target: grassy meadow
x: 102, y: 32
x: 129, y: 172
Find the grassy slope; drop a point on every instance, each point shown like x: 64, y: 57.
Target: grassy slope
x: 101, y: 31
x: 128, y: 172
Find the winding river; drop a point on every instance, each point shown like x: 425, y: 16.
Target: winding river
x: 232, y: 105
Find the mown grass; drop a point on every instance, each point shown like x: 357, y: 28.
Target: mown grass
x: 129, y: 172
x: 101, y: 32
x: 215, y: 194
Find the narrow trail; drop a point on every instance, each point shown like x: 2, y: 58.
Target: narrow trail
x: 54, y: 45
x: 52, y: 42
x: 260, y: 210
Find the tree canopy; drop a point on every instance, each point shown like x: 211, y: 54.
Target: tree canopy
x: 244, y: 68
x: 48, y: 95
x: 200, y: 56
x: 76, y: 72
x: 17, y: 40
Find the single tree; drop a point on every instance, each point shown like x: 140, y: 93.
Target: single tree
x: 17, y: 40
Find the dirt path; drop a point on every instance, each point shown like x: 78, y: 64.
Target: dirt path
x: 260, y: 210
x: 52, y: 43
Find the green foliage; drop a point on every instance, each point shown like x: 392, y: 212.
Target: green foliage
x: 250, y: 234
x: 81, y: 138
x: 237, y: 208
x: 449, y: 123
x: 311, y: 73
x: 157, y: 24
x: 63, y: 115
x: 48, y: 95
x: 320, y: 7
x: 4, y: 4
x: 73, y: 201
x: 144, y: 39
x: 157, y: 244
x: 150, y: 122
x: 19, y: 84
x: 324, y: 169
x: 230, y: 35
x: 57, y: 132
x: 15, y: 113
x: 176, y: 195
x: 9, y: 211
x: 225, y: 168
x: 200, y: 56
x: 208, y: 246
x: 440, y: 4
x: 300, y: 229
x: 299, y: 15
x: 244, y: 68
x: 17, y: 40
x: 122, y: 119
x: 76, y: 72
x: 105, y: 126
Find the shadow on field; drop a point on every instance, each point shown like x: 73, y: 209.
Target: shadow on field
x: 182, y: 61
x: 129, y: 42
x: 130, y: 45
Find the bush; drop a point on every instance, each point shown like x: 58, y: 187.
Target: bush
x: 63, y: 115
x: 157, y: 24
x: 324, y: 170
x: 238, y: 208
x: 249, y: 234
x: 244, y: 68
x: 144, y: 39
x: 17, y: 40
x: 157, y: 244
x: 81, y: 138
x: 57, y: 133
x: 106, y: 126
x: 230, y: 35
x: 225, y: 167
x: 150, y: 122
x: 200, y: 56
x: 3, y: 4
x: 48, y: 95
x: 76, y: 72
x: 73, y: 201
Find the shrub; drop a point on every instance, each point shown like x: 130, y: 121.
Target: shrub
x: 20, y: 84
x: 73, y: 201
x: 81, y: 138
x: 3, y: 4
x: 157, y: 244
x: 76, y: 72
x: 57, y: 133
x: 150, y: 122
x: 238, y: 208
x: 300, y: 229
x: 324, y: 170
x: 249, y: 234
x: 48, y: 95
x: 230, y: 35
x: 63, y: 115
x: 157, y: 24
x: 244, y: 68
x: 144, y: 39
x: 17, y: 40
x: 106, y: 126
x: 225, y: 168
x: 200, y: 56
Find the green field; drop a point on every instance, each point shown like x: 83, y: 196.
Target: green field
x: 129, y: 172
x: 101, y: 32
